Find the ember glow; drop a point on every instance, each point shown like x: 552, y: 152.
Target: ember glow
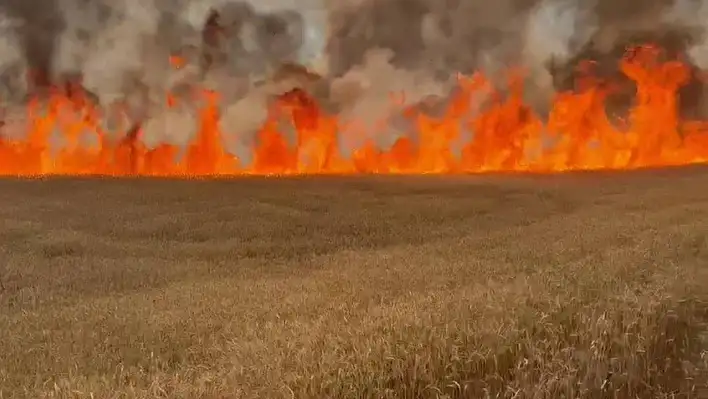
x: 504, y: 135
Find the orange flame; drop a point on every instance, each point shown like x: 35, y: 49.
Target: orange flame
x: 506, y: 136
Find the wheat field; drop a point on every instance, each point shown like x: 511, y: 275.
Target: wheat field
x: 583, y: 285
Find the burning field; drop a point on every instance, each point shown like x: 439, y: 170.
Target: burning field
x: 229, y: 88
x: 473, y: 283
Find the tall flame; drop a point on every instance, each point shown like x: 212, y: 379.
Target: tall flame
x: 506, y: 136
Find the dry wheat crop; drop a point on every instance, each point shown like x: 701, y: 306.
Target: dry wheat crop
x: 574, y: 286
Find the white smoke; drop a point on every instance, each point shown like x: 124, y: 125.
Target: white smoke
x: 13, y: 65
x: 374, y: 95
x: 555, y: 32
x: 692, y: 14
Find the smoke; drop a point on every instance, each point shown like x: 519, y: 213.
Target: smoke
x: 36, y: 24
x: 362, y: 50
x: 555, y: 32
x: 417, y: 47
x: 368, y: 111
x: 693, y: 15
x: 13, y: 63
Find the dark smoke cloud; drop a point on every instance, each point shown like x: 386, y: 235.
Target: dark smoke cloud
x: 363, y: 49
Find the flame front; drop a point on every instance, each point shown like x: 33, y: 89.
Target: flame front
x: 503, y: 136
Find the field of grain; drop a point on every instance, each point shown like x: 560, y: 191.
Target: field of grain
x: 569, y: 286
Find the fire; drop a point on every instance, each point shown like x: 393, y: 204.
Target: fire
x: 503, y: 134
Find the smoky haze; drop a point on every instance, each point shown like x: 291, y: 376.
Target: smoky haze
x: 358, y: 52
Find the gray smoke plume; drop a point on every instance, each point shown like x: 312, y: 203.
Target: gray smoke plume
x: 358, y: 52
x: 555, y: 32
x: 692, y: 14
